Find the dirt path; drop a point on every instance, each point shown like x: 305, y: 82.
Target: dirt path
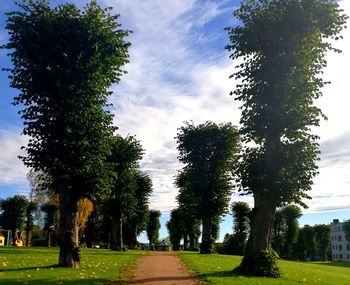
x: 162, y: 268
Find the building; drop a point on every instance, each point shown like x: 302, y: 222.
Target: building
x: 340, y: 242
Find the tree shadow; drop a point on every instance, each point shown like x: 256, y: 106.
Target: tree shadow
x: 172, y: 279
x: 29, y: 268
x: 224, y: 273
x: 333, y: 264
x: 93, y: 281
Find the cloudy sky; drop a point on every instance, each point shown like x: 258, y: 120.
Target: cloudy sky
x: 179, y: 71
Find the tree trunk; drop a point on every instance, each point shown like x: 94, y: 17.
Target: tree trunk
x: 69, y: 231
x: 185, y: 242
x: 14, y: 237
x: 117, y: 234
x: 193, y: 243
x: 207, y: 245
x: 27, y: 237
x: 48, y: 238
x: 260, y: 234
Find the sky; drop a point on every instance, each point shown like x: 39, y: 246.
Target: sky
x: 179, y: 71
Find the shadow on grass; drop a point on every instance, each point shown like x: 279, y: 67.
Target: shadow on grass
x: 94, y: 281
x: 333, y: 264
x: 30, y: 268
x: 225, y: 273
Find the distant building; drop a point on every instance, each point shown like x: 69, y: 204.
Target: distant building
x: 340, y: 242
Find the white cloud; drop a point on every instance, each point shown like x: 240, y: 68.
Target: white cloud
x: 12, y: 170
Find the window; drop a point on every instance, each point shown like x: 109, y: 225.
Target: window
x: 348, y: 247
x: 340, y: 247
x: 348, y: 256
x: 347, y: 238
x: 340, y: 256
x: 339, y: 238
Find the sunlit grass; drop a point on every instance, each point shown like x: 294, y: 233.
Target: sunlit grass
x: 38, y: 266
x: 218, y: 269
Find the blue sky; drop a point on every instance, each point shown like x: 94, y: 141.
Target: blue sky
x: 179, y: 71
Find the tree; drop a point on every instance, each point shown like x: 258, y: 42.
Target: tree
x: 291, y: 214
x: 208, y: 152
x: 85, y: 208
x: 278, y: 232
x: 346, y: 228
x: 240, y: 212
x: 188, y: 208
x: 50, y: 209
x: 13, y: 214
x: 137, y: 219
x: 64, y: 61
x: 175, y: 228
x: 281, y: 48
x: 153, y: 227
x: 29, y: 213
x: 322, y: 240
x: 124, y: 159
x: 306, y: 244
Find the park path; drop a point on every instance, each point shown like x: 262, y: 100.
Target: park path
x: 162, y: 268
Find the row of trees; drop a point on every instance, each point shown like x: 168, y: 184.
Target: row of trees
x: 288, y: 240
x: 64, y: 61
x: 96, y: 225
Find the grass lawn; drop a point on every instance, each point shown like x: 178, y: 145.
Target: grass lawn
x: 38, y: 266
x: 217, y: 269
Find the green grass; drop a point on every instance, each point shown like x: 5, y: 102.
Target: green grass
x: 218, y: 269
x: 38, y: 266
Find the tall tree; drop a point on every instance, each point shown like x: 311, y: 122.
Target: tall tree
x: 188, y: 207
x: 278, y: 232
x: 175, y: 228
x: 322, y: 240
x: 153, y: 226
x: 306, y: 244
x: 208, y: 152
x: 12, y: 215
x: 125, y: 156
x: 64, y: 61
x: 281, y: 47
x: 291, y: 214
x: 241, y: 213
x: 137, y: 218
x: 29, y: 219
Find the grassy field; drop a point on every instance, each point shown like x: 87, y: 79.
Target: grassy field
x: 37, y: 266
x: 217, y: 269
